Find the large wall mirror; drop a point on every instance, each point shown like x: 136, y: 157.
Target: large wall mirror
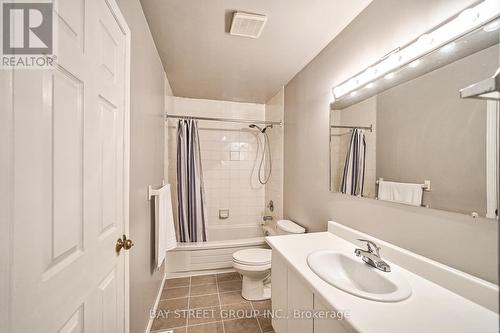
x: 410, y: 138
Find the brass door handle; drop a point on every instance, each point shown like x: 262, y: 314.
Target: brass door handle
x: 123, y: 243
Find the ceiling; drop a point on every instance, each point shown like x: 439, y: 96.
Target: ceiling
x: 202, y: 60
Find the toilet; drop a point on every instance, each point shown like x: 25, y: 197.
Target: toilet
x: 255, y: 264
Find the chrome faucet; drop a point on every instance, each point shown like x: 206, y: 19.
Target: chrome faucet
x: 267, y: 218
x: 371, y: 256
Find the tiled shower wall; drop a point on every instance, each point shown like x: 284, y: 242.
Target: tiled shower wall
x: 228, y: 152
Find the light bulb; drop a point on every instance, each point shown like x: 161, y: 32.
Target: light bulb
x: 370, y: 74
x: 448, y: 48
x: 389, y: 76
x: 492, y: 26
x: 414, y: 63
x: 337, y: 91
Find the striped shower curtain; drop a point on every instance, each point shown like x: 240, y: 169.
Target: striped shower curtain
x: 191, y: 206
x: 353, y: 177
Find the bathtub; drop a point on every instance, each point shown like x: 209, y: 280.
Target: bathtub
x: 215, y: 255
x: 224, y: 232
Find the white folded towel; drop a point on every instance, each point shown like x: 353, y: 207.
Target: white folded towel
x: 164, y: 224
x: 406, y: 193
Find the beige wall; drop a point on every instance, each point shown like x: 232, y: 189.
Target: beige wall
x: 146, y: 161
x: 427, y: 132
x: 450, y: 238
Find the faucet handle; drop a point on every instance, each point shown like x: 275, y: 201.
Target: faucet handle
x: 371, y: 244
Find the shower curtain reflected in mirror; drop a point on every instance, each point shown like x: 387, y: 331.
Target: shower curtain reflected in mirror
x: 191, y: 205
x: 353, y: 178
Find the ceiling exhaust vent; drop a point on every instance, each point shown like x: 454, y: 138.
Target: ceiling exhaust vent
x: 247, y: 25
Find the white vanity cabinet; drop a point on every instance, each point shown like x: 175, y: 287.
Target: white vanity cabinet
x: 293, y: 303
x: 279, y: 293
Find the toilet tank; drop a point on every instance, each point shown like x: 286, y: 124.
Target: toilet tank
x: 283, y: 227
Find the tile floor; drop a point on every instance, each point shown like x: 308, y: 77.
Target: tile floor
x: 210, y: 304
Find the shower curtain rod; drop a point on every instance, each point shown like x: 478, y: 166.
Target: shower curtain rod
x: 368, y: 128
x: 228, y: 120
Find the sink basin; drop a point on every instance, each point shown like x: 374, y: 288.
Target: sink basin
x: 352, y: 275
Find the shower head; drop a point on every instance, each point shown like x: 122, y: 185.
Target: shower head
x: 255, y: 126
x: 262, y: 130
x: 265, y: 128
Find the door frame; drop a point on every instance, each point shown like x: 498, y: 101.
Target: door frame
x: 113, y: 6
x: 6, y: 189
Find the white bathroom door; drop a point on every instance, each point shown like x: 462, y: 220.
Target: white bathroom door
x: 67, y: 160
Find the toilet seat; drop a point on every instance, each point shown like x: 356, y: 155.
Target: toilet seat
x: 253, y: 257
x: 255, y: 267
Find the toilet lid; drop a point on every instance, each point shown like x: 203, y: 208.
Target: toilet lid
x: 290, y: 227
x: 253, y: 257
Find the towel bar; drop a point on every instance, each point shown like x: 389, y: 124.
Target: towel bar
x: 152, y: 192
x: 426, y: 186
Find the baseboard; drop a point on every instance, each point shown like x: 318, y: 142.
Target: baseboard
x: 155, y: 306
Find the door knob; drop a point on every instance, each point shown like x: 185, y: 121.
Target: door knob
x: 123, y: 243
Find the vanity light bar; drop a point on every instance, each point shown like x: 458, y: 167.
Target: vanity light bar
x: 468, y: 20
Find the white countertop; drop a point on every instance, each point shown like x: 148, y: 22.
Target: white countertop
x: 430, y: 308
